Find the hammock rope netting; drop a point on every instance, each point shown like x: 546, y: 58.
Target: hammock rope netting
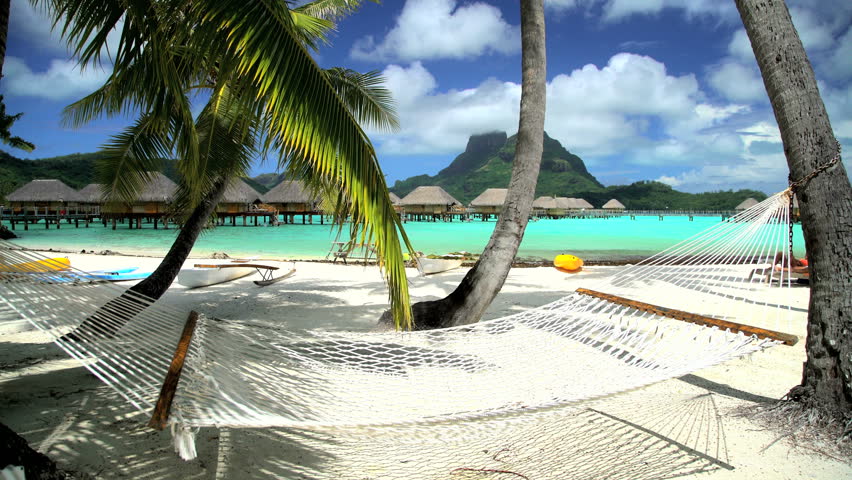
x: 575, y: 351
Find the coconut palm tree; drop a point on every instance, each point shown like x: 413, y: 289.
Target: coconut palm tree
x: 6, y: 122
x: 825, y: 202
x: 467, y: 303
x: 266, y: 92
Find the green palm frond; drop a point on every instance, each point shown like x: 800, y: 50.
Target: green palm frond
x: 332, y: 10
x: 130, y: 159
x: 227, y: 138
x: 311, y: 123
x: 365, y: 97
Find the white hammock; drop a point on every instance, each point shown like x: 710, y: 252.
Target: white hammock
x: 257, y: 374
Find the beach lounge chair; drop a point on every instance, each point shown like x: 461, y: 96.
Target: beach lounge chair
x: 780, y: 274
x: 352, y: 251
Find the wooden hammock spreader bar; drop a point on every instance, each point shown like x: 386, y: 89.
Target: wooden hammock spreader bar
x: 160, y: 417
x: 786, y: 338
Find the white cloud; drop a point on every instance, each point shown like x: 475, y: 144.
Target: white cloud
x: 631, y: 108
x: 738, y: 82
x: 434, y: 29
x: 440, y: 122
x: 839, y: 65
x: 35, y: 26
x: 814, y: 32
x: 62, y: 80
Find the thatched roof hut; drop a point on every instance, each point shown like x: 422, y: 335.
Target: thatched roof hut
x: 394, y: 198
x: 429, y: 196
x: 160, y: 189
x: 489, y: 201
x: 428, y: 200
x: 239, y: 192
x: 544, y: 203
x: 152, y: 200
x: 291, y: 196
x: 613, y: 204
x: 91, y: 193
x: 746, y: 204
x: 237, y: 196
x: 44, y: 191
x: 581, y: 203
x: 565, y: 203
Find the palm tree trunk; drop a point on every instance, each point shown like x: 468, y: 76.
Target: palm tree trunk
x: 5, y: 6
x: 107, y: 320
x: 158, y: 282
x: 477, y: 290
x: 825, y: 202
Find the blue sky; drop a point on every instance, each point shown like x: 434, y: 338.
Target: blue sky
x: 662, y: 90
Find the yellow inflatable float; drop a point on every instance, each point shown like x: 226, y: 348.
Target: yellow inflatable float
x: 568, y: 263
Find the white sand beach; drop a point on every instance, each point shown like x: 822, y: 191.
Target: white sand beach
x: 66, y: 413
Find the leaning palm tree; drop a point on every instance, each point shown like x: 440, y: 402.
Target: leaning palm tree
x: 6, y: 122
x: 254, y: 54
x: 468, y: 302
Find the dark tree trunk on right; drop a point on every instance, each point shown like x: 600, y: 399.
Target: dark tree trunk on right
x: 825, y: 202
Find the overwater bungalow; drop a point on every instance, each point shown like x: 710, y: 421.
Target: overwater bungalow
x: 431, y: 203
x: 152, y: 204
x: 613, y: 204
x: 397, y: 203
x: 291, y: 198
x: 583, y: 204
x: 238, y: 197
x: 546, y: 206
x: 43, y: 197
x: 489, y: 202
x: 746, y: 204
x: 241, y: 200
x: 91, y: 198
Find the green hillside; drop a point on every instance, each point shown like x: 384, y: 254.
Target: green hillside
x: 650, y: 195
x: 487, y: 163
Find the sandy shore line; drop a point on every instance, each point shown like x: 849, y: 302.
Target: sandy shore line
x: 66, y: 413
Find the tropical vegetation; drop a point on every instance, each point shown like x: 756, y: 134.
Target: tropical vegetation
x: 264, y: 95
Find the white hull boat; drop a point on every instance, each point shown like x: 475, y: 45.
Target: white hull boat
x: 428, y: 266
x: 202, y: 275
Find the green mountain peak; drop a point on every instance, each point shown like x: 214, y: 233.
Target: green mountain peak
x: 487, y: 163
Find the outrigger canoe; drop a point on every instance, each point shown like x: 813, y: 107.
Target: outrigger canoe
x: 428, y: 266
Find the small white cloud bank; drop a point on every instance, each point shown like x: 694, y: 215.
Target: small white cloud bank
x: 441, y: 29
x: 63, y: 80
x: 630, y: 109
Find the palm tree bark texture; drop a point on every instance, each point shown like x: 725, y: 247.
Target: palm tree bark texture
x: 467, y: 303
x: 825, y: 201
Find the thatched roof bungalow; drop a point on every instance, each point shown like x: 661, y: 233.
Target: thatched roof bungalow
x: 91, y: 197
x: 237, y: 197
x: 581, y: 204
x: 429, y: 200
x: 394, y: 198
x: 546, y: 205
x: 746, y: 204
x: 48, y: 196
x: 154, y: 199
x: 91, y: 194
x: 490, y: 201
x: 291, y: 196
x: 613, y: 204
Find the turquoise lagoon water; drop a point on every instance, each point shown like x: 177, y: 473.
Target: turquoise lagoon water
x: 592, y: 239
